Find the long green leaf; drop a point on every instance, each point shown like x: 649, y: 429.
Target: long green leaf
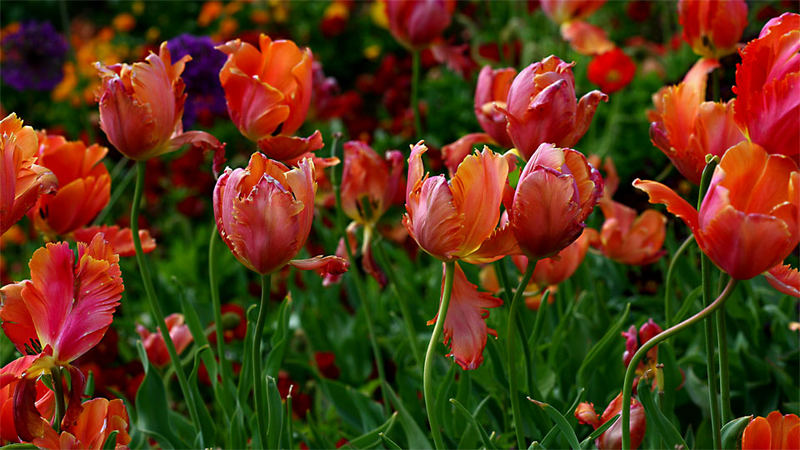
x: 600, y: 430
x: 152, y: 408
x: 372, y: 438
x: 562, y: 424
x: 601, y: 348
x: 481, y: 432
x: 414, y: 434
x: 732, y: 431
x: 657, y: 419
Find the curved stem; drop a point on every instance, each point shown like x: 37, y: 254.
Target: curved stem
x: 259, y: 382
x: 630, y: 372
x: 58, y: 391
x: 427, y: 375
x: 512, y: 366
x: 152, y: 301
x: 415, y: 91
x: 668, y: 280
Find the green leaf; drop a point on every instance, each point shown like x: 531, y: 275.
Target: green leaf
x: 414, y: 434
x: 601, y: 348
x: 600, y: 430
x: 274, y: 414
x: 372, y: 438
x: 18, y: 445
x: 280, y: 339
x: 389, y: 443
x: 246, y: 379
x: 355, y: 408
x: 152, y: 409
x: 657, y: 419
x: 687, y: 304
x: 471, y: 418
x: 562, y: 424
x: 732, y: 431
x: 111, y: 441
x: 207, y: 426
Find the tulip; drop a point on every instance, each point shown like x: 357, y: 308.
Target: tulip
x: 631, y: 239
x: 586, y: 39
x: 369, y: 180
x: 555, y: 270
x: 564, y: 11
x: 785, y: 279
x: 491, y: 92
x: 768, y: 87
x: 556, y: 192
x: 455, y: 152
x: 141, y: 107
x: 268, y: 92
x: 66, y: 307
x: 612, y: 437
x: 154, y: 343
x: 541, y: 107
x: 612, y: 70
x: 416, y: 23
x: 749, y: 220
x: 21, y: 181
x: 687, y: 128
x: 712, y: 27
x: 44, y: 400
x: 121, y: 239
x: 84, y: 185
x: 98, y: 418
x: 264, y: 215
x: 777, y: 431
x: 457, y: 219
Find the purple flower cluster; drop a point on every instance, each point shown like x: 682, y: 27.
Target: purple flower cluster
x: 205, y: 99
x: 33, y: 57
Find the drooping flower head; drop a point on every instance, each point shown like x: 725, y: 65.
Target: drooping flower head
x: 268, y: 91
x: 776, y: 431
x: 749, y: 220
x: 416, y: 23
x: 366, y: 177
x: 141, y: 106
x: 21, y: 181
x: 541, y: 107
x: 712, y: 27
x: 264, y: 215
x: 491, y: 92
x: 556, y: 192
x: 206, y: 99
x: 33, y: 57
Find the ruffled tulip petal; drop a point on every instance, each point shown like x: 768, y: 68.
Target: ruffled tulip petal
x: 658, y: 193
x: 121, y: 239
x: 287, y: 148
x: 585, y: 38
x: 455, y: 152
x: 583, y: 117
x: 465, y: 329
x: 785, y: 279
x: 324, y: 264
x: 501, y: 243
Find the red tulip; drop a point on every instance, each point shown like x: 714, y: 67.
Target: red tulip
x: 541, y: 107
x: 612, y: 437
x: 44, y: 398
x: 556, y: 192
x: 268, y: 91
x: 749, y: 220
x: 416, y: 23
x: 141, y: 106
x: 491, y: 92
x: 785, y: 279
x: 367, y: 178
x: 563, y: 11
x: 555, y: 270
x: 631, y: 239
x: 156, y: 347
x: 687, y: 128
x: 264, y: 215
x: 777, y: 431
x: 84, y: 185
x: 67, y: 306
x: 612, y: 70
x: 21, y: 181
x: 768, y: 87
x: 712, y: 27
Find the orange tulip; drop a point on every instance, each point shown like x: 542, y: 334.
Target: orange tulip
x: 555, y: 270
x: 687, y: 128
x: 612, y: 437
x: 268, y: 91
x: 712, y: 27
x: 587, y: 39
x: 98, y: 418
x: 556, y: 192
x: 631, y: 239
x: 768, y: 87
x: 141, y: 106
x: 564, y: 11
x: 491, y: 92
x: 21, y: 181
x: 541, y: 107
x: 121, y: 239
x: 264, y: 215
x: 368, y: 178
x: 457, y: 219
x: 416, y: 23
x: 749, y: 220
x: 84, y: 185
x: 154, y: 343
x: 785, y: 279
x: 777, y: 431
x: 44, y: 398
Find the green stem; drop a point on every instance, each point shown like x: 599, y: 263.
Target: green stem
x: 630, y: 372
x: 217, y: 307
x: 512, y: 366
x: 427, y: 371
x: 724, y: 367
x: 668, y: 281
x: 58, y: 391
x: 415, y: 91
x: 259, y: 382
x: 152, y: 301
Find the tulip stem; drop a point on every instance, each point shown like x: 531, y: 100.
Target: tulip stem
x: 630, y: 372
x: 58, y: 391
x: 427, y: 375
x: 259, y: 382
x: 217, y: 307
x: 512, y: 366
x: 724, y: 369
x: 152, y: 301
x: 668, y: 280
x: 415, y: 92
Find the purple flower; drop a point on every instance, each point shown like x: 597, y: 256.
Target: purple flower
x: 33, y: 57
x: 206, y: 98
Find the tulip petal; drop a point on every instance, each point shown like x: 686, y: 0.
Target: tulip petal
x: 433, y: 220
x: 757, y: 435
x: 583, y: 117
x: 501, y: 243
x: 455, y: 152
x: 121, y: 239
x: 287, y: 148
x: 785, y: 279
x: 325, y: 264
x: 658, y: 193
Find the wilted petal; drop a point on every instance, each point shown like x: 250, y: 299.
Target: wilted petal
x: 785, y: 279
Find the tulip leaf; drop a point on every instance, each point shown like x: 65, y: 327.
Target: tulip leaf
x: 206, y: 422
x: 153, y: 416
x: 657, y: 419
x: 355, y: 408
x: 388, y: 441
x: 280, y: 339
x: 601, y: 348
x: 561, y: 422
x: 732, y: 431
x: 372, y: 438
x: 246, y: 379
x: 600, y: 430
x: 414, y: 434
x: 472, y: 420
x: 687, y: 304
x: 274, y: 414
x: 111, y: 441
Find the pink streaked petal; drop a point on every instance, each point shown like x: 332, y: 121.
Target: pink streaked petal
x: 785, y: 279
x: 455, y: 152
x: 324, y: 264
x: 501, y: 243
x: 433, y: 220
x: 287, y: 148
